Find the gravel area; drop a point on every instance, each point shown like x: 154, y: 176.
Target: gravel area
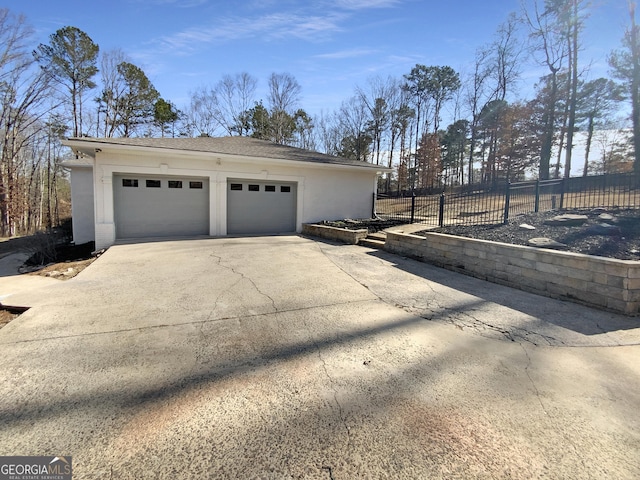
x: 623, y: 243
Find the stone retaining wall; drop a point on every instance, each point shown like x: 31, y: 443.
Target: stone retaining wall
x: 596, y: 281
x: 344, y: 235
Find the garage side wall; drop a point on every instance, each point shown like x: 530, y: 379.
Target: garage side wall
x: 339, y: 194
x: 82, y: 210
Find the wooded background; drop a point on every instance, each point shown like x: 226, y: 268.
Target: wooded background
x: 69, y: 88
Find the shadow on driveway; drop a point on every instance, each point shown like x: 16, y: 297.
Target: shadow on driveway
x: 579, y: 318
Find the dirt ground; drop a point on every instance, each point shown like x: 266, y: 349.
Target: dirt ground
x: 63, y: 270
x: 623, y: 243
x: 6, y: 317
x: 70, y: 259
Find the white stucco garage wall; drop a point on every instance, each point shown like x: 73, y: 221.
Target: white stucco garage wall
x: 324, y: 191
x: 82, y: 210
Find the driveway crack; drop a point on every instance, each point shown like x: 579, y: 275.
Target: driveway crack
x: 562, y: 432
x: 200, y: 347
x: 510, y: 333
x: 330, y: 470
x: 328, y: 257
x: 242, y: 277
x: 341, y: 413
x: 533, y: 384
x: 343, y: 417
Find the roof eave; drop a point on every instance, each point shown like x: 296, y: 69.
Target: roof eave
x: 91, y: 147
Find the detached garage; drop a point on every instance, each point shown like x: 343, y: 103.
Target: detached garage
x: 170, y: 187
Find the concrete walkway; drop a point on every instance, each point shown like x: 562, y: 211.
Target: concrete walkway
x: 284, y: 357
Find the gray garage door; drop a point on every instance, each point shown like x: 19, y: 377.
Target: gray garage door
x: 160, y: 206
x: 261, y: 207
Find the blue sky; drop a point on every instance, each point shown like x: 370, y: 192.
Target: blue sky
x: 330, y: 46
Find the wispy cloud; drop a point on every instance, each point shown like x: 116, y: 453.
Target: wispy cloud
x: 350, y: 53
x: 273, y: 26
x: 176, y: 3
x: 363, y: 4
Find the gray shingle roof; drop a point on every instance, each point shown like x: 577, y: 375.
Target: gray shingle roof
x: 244, y: 146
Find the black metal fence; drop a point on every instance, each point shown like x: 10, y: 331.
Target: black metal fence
x: 496, y: 203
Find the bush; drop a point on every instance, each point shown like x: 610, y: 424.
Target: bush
x: 43, y: 246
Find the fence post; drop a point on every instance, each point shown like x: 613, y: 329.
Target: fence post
x: 537, y: 204
x: 373, y: 208
x: 441, y: 211
x: 413, y: 206
x: 563, y: 188
x: 507, y: 200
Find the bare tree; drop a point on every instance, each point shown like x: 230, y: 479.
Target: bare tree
x: 378, y: 99
x: 569, y: 16
x: 507, y: 51
x: 355, y: 140
x: 504, y: 66
x: 614, y: 144
x: 327, y: 133
x: 112, y: 89
x: 14, y: 35
x: 234, y: 95
x: 284, y: 92
x: 477, y: 96
x: 202, y: 114
x: 626, y: 67
x: 23, y: 103
x: 283, y: 98
x: 549, y: 46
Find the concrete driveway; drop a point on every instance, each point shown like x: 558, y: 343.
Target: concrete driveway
x: 284, y: 357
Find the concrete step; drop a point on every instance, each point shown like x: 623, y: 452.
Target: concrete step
x: 372, y: 243
x: 378, y: 236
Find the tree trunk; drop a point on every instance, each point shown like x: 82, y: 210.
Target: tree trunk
x: 74, y: 108
x: 585, y: 172
x: 472, y: 148
x: 635, y: 89
x: 573, y: 53
x: 549, y: 127
x: 392, y: 144
x: 563, y: 130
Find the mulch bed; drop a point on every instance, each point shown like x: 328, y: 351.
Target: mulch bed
x: 625, y: 245
x: 373, y: 225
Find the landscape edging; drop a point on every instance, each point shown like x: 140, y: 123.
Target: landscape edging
x: 600, y: 282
